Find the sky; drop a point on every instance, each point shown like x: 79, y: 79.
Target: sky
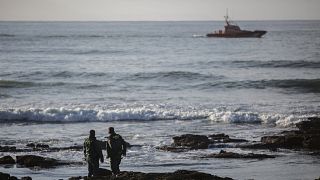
x: 157, y: 10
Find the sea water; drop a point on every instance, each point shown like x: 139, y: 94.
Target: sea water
x: 156, y: 80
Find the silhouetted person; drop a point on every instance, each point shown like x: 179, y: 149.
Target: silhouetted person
x: 116, y: 148
x: 92, y: 153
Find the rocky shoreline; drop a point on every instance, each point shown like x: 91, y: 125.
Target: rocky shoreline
x: 130, y: 175
x: 305, y: 138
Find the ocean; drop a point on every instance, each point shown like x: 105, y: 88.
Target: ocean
x: 156, y: 80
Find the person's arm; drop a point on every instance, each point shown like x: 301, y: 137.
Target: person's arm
x: 100, y: 151
x: 85, y: 150
x: 124, y: 147
x: 108, y: 150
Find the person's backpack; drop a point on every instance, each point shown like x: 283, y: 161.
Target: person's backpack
x: 115, y: 143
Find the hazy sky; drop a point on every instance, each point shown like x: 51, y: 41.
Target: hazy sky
x: 137, y: 10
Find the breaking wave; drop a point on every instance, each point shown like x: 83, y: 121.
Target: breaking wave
x: 252, y: 117
x: 64, y: 115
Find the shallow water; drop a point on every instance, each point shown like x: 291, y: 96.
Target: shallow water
x: 146, y: 158
x: 155, y: 80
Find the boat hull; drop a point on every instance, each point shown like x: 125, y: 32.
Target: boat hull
x: 243, y: 34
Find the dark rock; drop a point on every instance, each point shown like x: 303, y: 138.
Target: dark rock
x: 311, y: 141
x: 8, y: 149
x: 26, y: 178
x: 232, y: 155
x: 4, y: 176
x: 312, y: 126
x: 37, y: 147
x: 187, y: 142
x: 76, y: 178
x: 276, y: 140
x: 307, y: 137
x: 177, y: 175
x: 13, y: 178
x: 192, y: 141
x: 42, y: 146
x: 7, y: 160
x: 32, y: 160
x: 257, y: 146
x: 32, y: 145
x: 173, y: 148
x: 223, y: 138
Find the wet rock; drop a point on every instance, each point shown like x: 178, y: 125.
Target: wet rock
x: 173, y: 149
x: 32, y: 161
x: 42, y: 146
x: 13, y: 178
x: 26, y: 178
x: 102, y: 174
x: 232, y: 155
x: 5, y: 176
x: 31, y: 145
x: 223, y: 138
x: 312, y: 126
x: 257, y: 146
x: 311, y: 141
x: 192, y: 141
x: 307, y: 137
x: 7, y: 160
x: 37, y: 147
x: 187, y: 142
x: 8, y: 149
x: 179, y: 175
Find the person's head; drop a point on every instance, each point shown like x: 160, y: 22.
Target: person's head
x: 111, y: 130
x: 92, y: 133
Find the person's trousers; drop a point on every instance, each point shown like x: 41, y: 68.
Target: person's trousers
x: 115, y: 163
x: 93, y: 167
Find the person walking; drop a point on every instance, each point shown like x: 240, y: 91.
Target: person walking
x: 92, y: 153
x: 116, y: 148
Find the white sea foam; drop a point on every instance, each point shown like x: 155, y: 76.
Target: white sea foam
x: 144, y: 113
x: 82, y: 115
x: 281, y: 120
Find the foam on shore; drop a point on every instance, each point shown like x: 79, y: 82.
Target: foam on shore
x: 144, y: 114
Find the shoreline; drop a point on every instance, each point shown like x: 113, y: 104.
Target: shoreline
x: 271, y: 145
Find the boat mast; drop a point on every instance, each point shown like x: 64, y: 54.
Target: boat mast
x: 226, y: 17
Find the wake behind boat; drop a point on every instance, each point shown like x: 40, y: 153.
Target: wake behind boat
x: 234, y: 31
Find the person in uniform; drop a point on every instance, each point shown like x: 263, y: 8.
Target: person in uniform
x: 92, y: 153
x: 116, y: 148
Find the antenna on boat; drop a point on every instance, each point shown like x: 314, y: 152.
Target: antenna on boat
x: 226, y: 17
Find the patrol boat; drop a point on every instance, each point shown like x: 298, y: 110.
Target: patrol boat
x: 234, y: 31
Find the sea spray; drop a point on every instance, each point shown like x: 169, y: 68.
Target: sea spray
x: 146, y: 113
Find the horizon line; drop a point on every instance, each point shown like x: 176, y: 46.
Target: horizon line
x: 152, y: 20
